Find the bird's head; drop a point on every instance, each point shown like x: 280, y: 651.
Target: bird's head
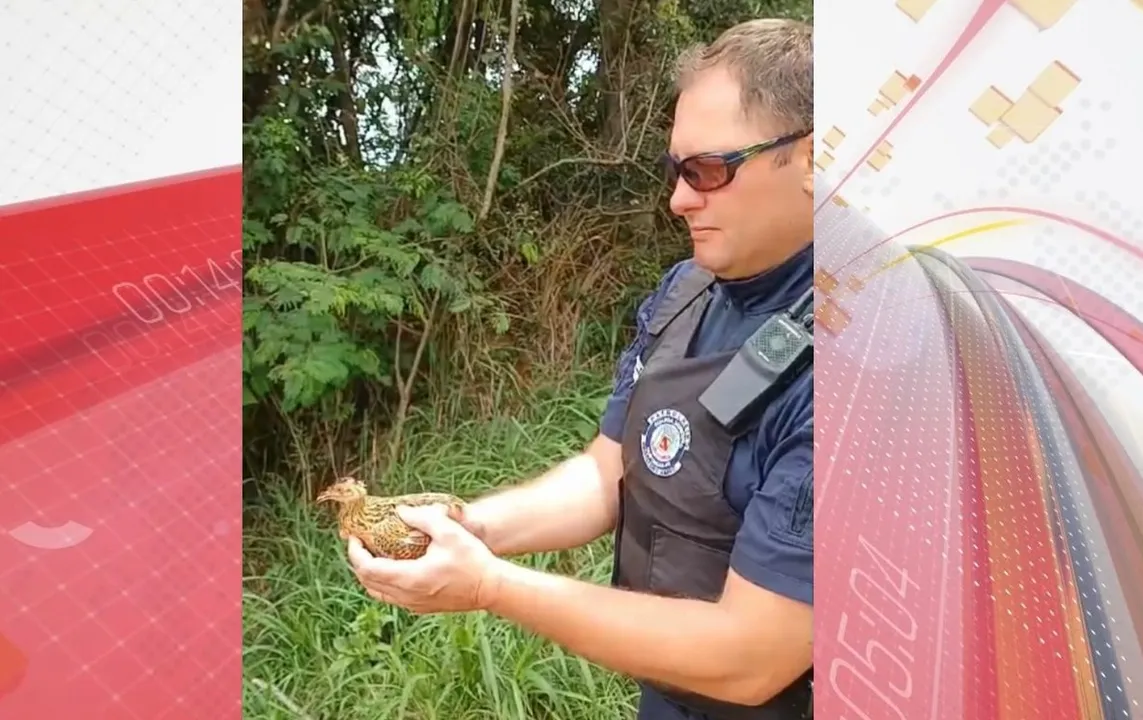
x: 343, y: 491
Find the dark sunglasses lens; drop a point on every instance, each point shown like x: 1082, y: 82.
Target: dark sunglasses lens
x: 705, y: 173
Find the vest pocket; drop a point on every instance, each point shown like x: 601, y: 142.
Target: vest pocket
x: 682, y: 567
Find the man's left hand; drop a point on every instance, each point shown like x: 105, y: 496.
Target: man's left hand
x: 457, y: 573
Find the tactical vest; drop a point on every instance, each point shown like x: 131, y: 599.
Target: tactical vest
x: 676, y: 529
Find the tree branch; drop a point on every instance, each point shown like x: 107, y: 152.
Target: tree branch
x: 279, y: 22
x: 505, y: 110
x: 405, y: 385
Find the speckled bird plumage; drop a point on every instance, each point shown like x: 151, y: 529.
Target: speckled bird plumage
x: 374, y: 520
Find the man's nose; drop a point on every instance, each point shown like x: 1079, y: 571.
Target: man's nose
x: 685, y: 199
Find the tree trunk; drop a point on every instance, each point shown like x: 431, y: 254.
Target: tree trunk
x: 614, y: 28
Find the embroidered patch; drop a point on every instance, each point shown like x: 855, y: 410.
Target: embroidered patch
x: 665, y: 440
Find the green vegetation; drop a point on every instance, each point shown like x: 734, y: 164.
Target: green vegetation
x: 441, y: 267
x: 316, y: 646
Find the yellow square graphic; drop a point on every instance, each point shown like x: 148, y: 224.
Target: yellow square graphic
x: 834, y: 137
x: 915, y: 9
x: 1001, y: 135
x: 990, y: 106
x: 825, y: 281
x: 877, y: 107
x: 895, y: 88
x: 824, y: 160
x: 1044, y: 13
x: 1054, y: 84
x: 831, y: 317
x: 878, y: 160
x: 1029, y: 117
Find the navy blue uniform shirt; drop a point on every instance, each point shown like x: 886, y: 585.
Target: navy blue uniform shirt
x: 769, y: 481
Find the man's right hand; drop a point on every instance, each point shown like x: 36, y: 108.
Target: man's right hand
x: 469, y: 520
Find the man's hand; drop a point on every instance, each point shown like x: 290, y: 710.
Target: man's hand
x: 458, y: 573
x: 744, y: 649
x: 470, y: 521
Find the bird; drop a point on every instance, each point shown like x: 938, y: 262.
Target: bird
x: 374, y: 521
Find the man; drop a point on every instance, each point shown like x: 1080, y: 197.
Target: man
x: 712, y: 604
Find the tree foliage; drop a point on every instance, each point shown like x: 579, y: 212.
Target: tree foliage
x: 446, y: 198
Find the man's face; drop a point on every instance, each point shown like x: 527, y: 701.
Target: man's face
x: 766, y: 213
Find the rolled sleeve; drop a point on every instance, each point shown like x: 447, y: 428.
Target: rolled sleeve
x: 775, y: 545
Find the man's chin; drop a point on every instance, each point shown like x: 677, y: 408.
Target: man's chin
x: 707, y: 261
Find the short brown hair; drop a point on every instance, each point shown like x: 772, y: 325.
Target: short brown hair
x: 773, y: 61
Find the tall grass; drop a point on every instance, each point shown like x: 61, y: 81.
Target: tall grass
x: 317, y: 647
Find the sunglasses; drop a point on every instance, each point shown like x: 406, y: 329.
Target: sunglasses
x: 712, y: 171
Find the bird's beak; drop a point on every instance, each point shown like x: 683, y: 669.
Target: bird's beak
x: 325, y: 496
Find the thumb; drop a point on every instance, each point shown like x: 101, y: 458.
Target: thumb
x: 432, y: 520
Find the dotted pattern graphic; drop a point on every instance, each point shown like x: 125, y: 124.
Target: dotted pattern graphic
x: 120, y: 397
x: 979, y: 374
x: 120, y: 456
x: 114, y: 92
